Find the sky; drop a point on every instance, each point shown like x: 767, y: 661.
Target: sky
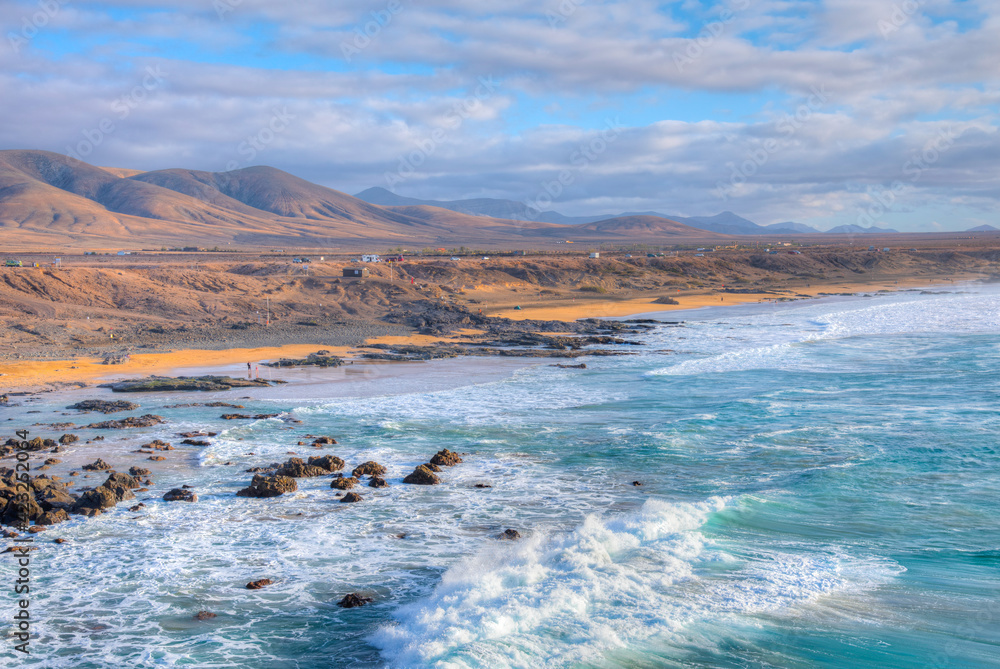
x: 865, y: 112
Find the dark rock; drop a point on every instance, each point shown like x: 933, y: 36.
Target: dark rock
x: 68, y: 439
x: 509, y: 535
x: 138, y: 471
x: 53, y: 461
x: 147, y: 420
x: 206, y: 615
x: 269, y: 486
x: 351, y: 497
x: 104, y: 406
x: 369, y: 468
x: 208, y: 383
x: 377, y: 482
x: 196, y: 434
x: 12, y: 514
x: 353, y: 600
x: 482, y: 485
x: 330, y: 463
x: 446, y: 458
x: 324, y: 440
x: 636, y: 483
x: 53, y: 517
x: 180, y: 495
x: 55, y: 499
x: 98, y: 465
x: 156, y: 458
x: 60, y: 540
x: 196, y: 442
x: 257, y: 585
x: 137, y: 507
x: 158, y: 445
x: 431, y: 466
x: 99, y: 498
x: 344, y: 483
x: 297, y: 468
x: 124, y: 480
x: 422, y: 476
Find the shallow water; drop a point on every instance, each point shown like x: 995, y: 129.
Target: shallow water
x: 818, y: 490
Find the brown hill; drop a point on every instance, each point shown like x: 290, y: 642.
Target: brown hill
x: 642, y: 227
x: 50, y: 199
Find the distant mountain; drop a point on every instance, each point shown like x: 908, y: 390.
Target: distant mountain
x: 726, y: 223
x: 792, y: 227
x: 48, y: 199
x: 858, y: 230
x: 983, y: 228
x: 639, y: 227
x: 484, y: 206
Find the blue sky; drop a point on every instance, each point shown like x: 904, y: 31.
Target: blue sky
x: 817, y: 112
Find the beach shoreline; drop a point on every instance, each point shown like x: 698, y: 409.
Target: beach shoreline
x: 33, y: 376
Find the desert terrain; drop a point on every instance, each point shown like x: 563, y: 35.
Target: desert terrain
x: 79, y: 320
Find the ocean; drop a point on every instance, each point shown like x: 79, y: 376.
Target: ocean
x: 819, y: 488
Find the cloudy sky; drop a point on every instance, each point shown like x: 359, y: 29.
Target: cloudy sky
x: 825, y: 113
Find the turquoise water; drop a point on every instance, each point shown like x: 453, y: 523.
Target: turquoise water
x: 819, y: 489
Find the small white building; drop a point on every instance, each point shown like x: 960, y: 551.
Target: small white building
x: 595, y: 255
x: 370, y: 257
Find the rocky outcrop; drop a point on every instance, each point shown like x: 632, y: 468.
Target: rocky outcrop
x: 313, y: 359
x: 324, y: 441
x: 269, y: 486
x: 344, y: 483
x: 180, y: 495
x: 509, y: 535
x: 353, y: 600
x: 162, y: 383
x: 446, y: 458
x: 139, y: 471
x: 158, y: 445
x: 257, y: 585
x: 68, y: 439
x: 351, y: 497
x: 422, y: 476
x: 98, y: 499
x: 121, y: 486
x: 297, y: 468
x: 205, y: 615
x: 330, y: 463
x: 98, y: 465
x: 55, y: 498
x: 369, y: 468
x: 377, y: 482
x: 52, y: 517
x: 147, y: 420
x: 104, y: 406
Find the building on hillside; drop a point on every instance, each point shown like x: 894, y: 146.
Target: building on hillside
x: 355, y: 272
x: 595, y: 255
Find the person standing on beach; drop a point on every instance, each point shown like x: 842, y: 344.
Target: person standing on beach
x: 248, y: 371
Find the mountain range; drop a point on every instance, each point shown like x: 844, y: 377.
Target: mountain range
x: 50, y: 199
x: 726, y: 223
